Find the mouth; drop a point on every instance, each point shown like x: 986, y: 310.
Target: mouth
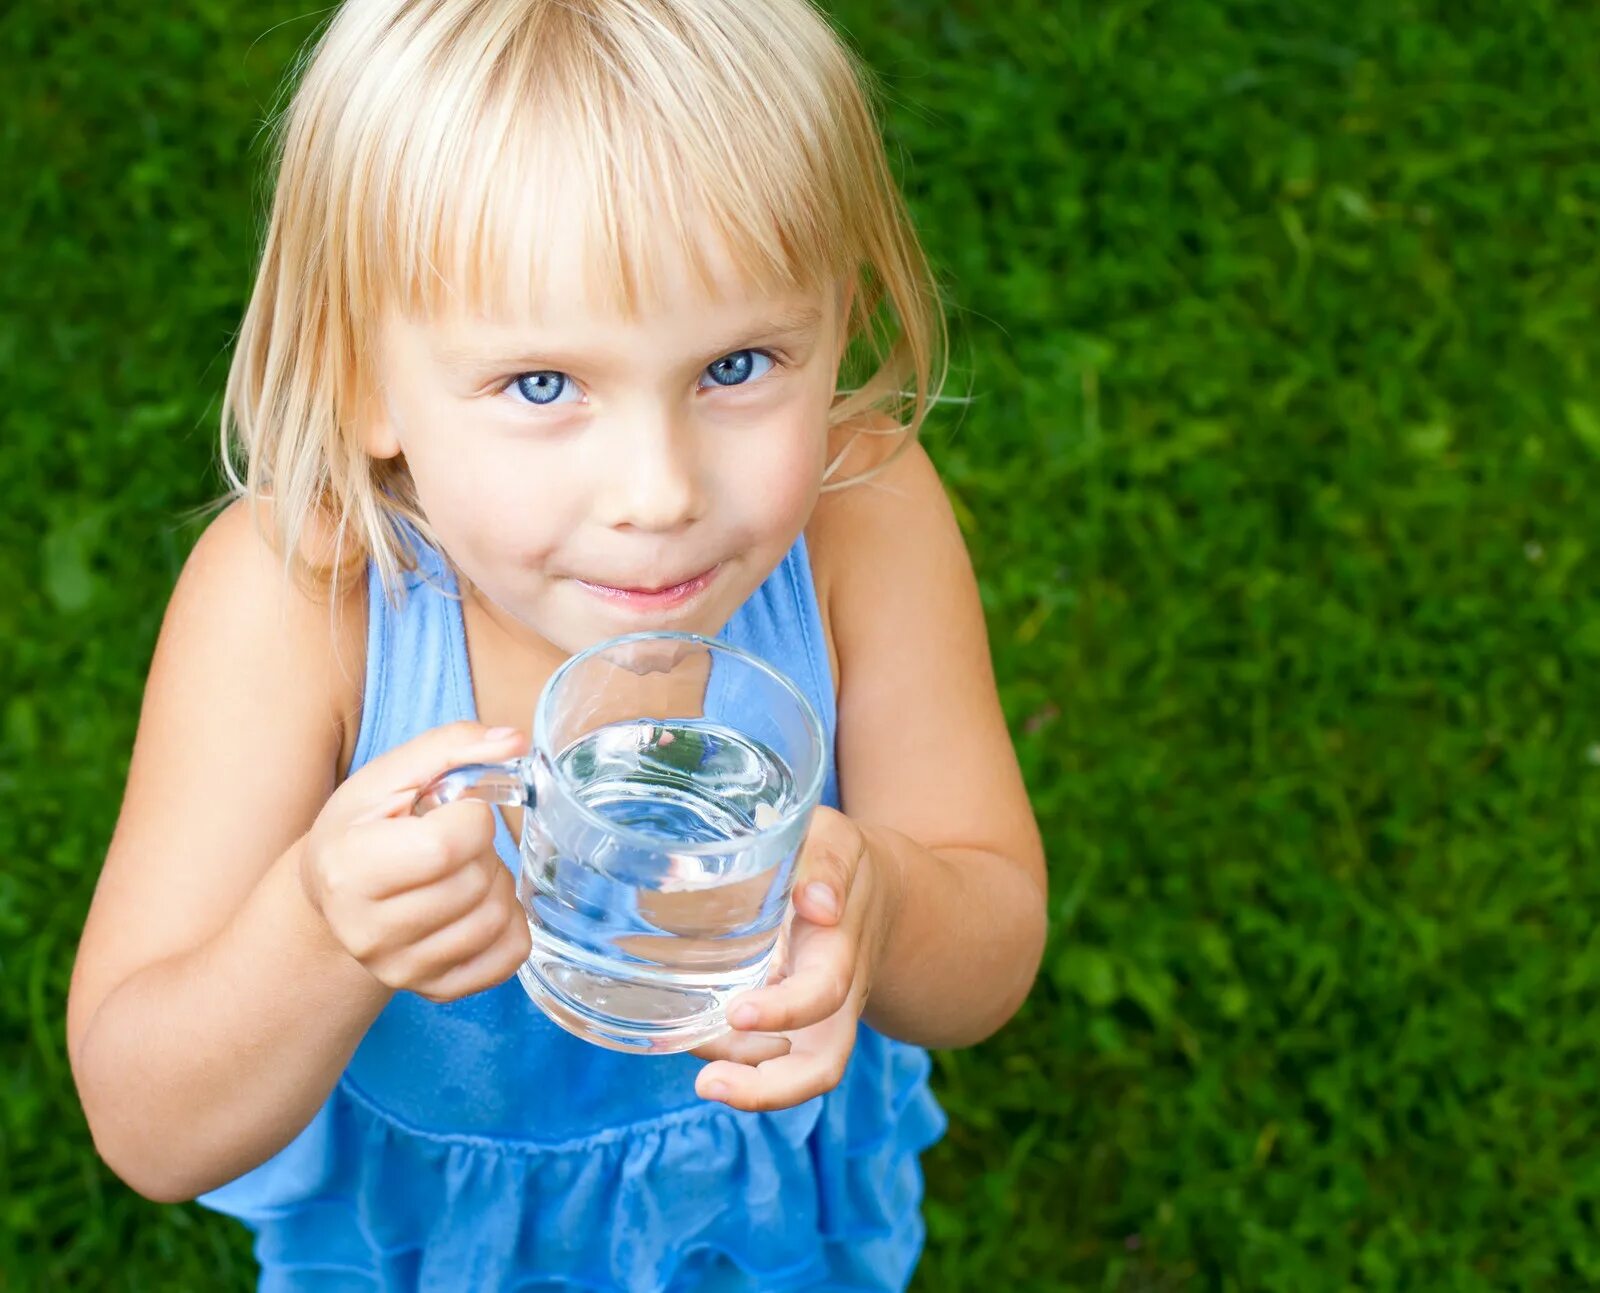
x: 653, y: 598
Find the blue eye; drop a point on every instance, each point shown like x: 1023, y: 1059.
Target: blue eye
x: 544, y: 388
x: 738, y: 368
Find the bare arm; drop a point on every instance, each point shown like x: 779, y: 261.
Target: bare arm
x: 926, y: 765
x: 251, y: 921
x: 186, y: 1021
x: 198, y: 1067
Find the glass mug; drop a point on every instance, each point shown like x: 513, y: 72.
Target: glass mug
x: 665, y: 797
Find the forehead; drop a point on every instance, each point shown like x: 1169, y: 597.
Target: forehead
x: 564, y: 242
x: 553, y: 274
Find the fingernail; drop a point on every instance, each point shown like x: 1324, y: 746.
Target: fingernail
x: 744, y: 1016
x: 716, y: 1090
x: 821, y: 896
x: 499, y: 734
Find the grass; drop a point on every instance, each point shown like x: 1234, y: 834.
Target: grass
x: 1279, y: 323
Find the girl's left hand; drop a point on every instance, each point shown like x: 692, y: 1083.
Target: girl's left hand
x: 846, y: 896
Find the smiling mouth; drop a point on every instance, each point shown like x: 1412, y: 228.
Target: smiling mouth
x: 653, y: 598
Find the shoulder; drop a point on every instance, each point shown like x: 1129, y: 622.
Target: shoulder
x: 877, y: 463
x: 891, y: 500
x: 239, y: 565
x: 269, y: 612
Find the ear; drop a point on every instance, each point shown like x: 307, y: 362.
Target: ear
x: 376, y: 430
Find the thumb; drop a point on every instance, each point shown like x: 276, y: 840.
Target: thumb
x: 387, y: 786
x: 827, y: 867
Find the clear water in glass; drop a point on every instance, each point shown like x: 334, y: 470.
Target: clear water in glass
x: 640, y: 938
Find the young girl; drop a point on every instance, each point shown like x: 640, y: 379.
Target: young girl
x: 546, y: 346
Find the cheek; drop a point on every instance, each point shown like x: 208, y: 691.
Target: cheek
x: 491, y: 508
x: 770, y: 482
x: 773, y: 474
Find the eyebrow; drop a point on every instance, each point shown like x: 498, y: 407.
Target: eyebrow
x: 482, y: 359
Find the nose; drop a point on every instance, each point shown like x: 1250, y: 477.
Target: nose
x: 653, y: 476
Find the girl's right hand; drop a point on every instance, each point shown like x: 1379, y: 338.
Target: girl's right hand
x: 424, y: 903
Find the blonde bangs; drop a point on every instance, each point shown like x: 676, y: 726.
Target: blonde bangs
x: 433, y: 145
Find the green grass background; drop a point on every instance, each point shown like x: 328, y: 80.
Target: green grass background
x: 1279, y: 323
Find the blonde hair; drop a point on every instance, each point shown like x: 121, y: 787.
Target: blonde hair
x: 407, y: 162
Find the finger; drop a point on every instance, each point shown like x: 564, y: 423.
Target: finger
x: 821, y: 978
x: 827, y: 867
x: 419, y: 851
x: 487, y: 969
x: 456, y: 943
x: 743, y: 1048
x: 413, y: 914
x: 773, y: 1084
x: 424, y: 758
x: 465, y: 829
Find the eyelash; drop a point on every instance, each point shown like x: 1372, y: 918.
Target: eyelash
x: 777, y: 359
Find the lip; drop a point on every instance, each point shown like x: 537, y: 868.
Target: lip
x: 653, y: 599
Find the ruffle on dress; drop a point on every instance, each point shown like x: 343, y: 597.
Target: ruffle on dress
x: 705, y: 1198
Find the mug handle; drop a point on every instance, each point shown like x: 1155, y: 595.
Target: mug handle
x: 509, y: 783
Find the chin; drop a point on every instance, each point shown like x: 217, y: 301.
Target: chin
x: 706, y: 625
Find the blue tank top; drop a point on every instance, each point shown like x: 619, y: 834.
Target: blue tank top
x: 475, y: 1147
